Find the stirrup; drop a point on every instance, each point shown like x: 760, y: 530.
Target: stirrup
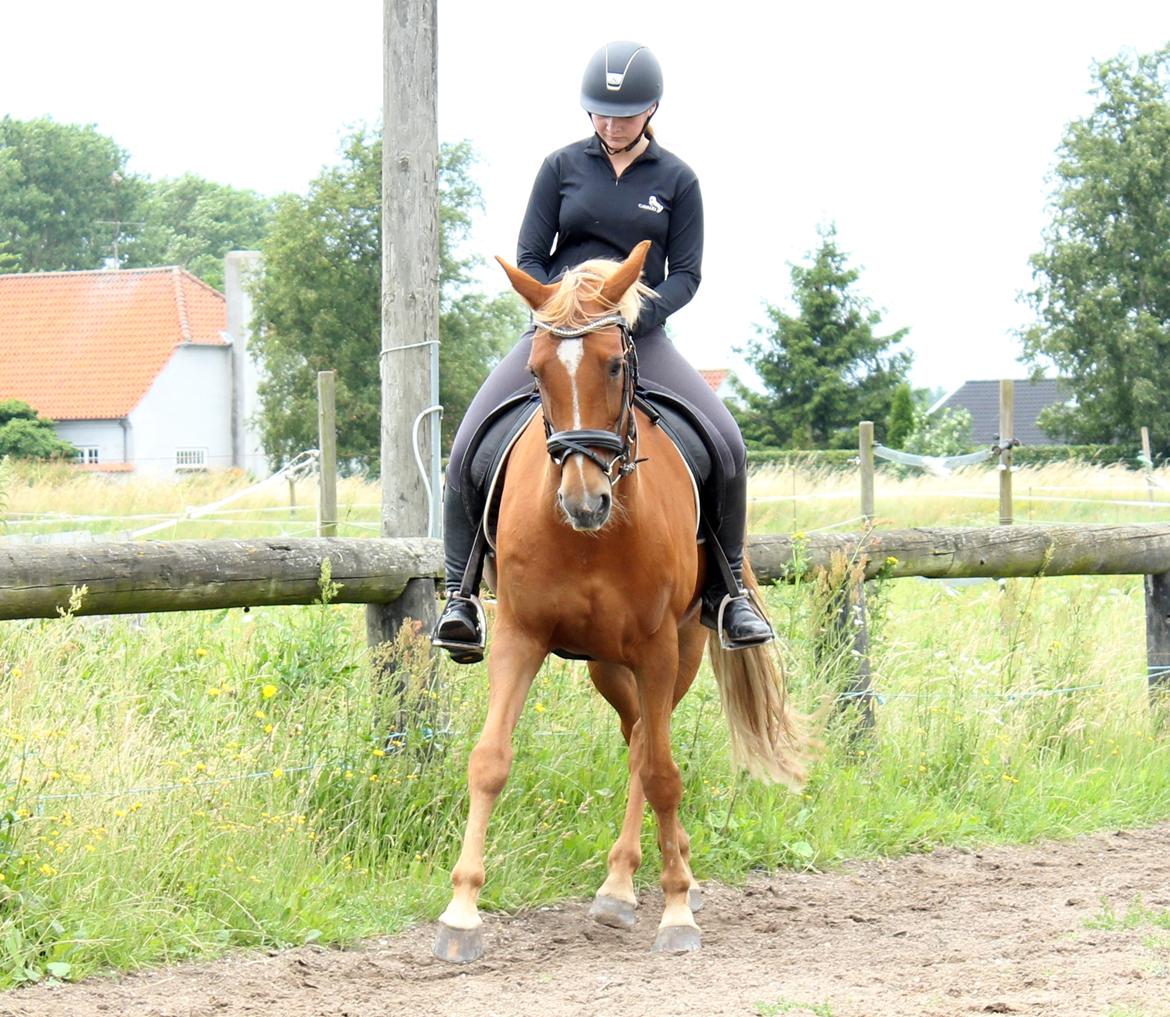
x: 464, y: 652
x: 726, y: 643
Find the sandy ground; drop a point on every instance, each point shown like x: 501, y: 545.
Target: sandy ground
x: 1001, y: 930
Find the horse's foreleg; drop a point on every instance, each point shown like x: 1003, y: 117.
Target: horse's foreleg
x: 657, y: 678
x: 512, y: 665
x: 615, y: 902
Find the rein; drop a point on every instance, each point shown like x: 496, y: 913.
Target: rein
x: 623, y: 442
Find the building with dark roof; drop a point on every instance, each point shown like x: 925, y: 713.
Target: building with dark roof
x: 981, y: 400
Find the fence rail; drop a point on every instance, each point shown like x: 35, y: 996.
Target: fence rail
x: 36, y: 581
x: 992, y: 552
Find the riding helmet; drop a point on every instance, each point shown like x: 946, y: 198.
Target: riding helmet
x: 622, y: 79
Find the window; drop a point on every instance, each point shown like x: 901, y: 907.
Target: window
x: 191, y: 459
x: 86, y: 454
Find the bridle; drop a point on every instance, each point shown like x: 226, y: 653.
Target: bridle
x: 592, y: 443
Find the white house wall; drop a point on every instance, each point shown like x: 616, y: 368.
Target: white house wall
x: 187, y: 407
x: 107, y: 436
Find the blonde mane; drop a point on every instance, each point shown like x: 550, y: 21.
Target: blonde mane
x: 578, y: 295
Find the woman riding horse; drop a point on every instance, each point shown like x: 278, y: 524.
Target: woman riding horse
x: 597, y: 557
x: 599, y: 198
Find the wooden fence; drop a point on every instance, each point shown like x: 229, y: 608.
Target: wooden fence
x: 37, y: 581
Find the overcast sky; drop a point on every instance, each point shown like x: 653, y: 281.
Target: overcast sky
x: 926, y: 131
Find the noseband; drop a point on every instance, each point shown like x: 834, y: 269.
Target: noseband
x: 589, y: 442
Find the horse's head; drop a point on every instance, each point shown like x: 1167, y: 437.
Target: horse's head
x: 584, y: 363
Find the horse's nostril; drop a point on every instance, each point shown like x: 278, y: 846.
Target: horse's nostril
x: 603, y: 504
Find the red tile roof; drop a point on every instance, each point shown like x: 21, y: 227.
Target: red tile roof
x: 715, y: 378
x: 88, y: 345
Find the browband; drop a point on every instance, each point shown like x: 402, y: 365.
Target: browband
x: 566, y: 332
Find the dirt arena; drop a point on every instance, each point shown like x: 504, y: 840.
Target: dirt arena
x: 1000, y: 930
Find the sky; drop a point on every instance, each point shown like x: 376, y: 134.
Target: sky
x: 925, y: 132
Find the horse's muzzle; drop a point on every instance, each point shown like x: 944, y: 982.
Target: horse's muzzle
x: 586, y: 510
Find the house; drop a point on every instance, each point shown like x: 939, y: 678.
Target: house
x: 718, y: 379
x: 143, y: 370
x: 981, y: 400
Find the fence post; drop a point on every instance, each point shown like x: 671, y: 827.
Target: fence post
x: 1158, y: 632
x: 865, y: 455
x: 1006, y: 442
x: 850, y: 626
x: 327, y: 447
x: 1148, y: 463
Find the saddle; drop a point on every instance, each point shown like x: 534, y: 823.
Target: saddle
x: 703, y: 450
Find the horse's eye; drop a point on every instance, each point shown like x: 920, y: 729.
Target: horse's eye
x: 615, y: 368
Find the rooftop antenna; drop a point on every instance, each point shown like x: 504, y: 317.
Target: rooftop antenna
x: 115, y: 261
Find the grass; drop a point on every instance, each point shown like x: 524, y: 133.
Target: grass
x: 788, y: 1006
x: 45, y: 499
x: 182, y: 784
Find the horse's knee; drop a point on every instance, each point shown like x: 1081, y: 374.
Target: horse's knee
x: 663, y: 787
x: 488, y: 768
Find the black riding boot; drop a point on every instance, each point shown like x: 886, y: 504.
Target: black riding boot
x: 734, y: 617
x: 460, y: 628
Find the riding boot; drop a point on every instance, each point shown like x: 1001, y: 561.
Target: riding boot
x: 460, y: 628
x: 732, y: 613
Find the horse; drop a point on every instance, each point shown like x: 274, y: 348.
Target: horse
x: 597, y: 557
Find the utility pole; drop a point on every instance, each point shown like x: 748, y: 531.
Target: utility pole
x: 410, y: 286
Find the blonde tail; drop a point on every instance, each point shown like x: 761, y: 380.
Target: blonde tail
x: 768, y: 738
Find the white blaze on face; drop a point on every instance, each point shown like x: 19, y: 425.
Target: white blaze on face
x: 570, y: 352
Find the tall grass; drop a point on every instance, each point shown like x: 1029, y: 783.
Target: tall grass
x: 54, y: 498
x: 804, y: 499
x: 181, y: 784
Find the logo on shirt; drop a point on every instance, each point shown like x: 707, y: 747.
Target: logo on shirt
x: 652, y: 205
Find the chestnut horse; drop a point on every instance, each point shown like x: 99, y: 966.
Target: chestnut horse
x: 597, y: 556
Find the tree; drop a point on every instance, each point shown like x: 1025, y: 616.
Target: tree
x: 25, y: 435
x: 193, y: 223
x: 902, y: 416
x: 822, y: 369
x: 63, y: 189
x: 1103, y: 279
x: 319, y: 305
x: 942, y: 433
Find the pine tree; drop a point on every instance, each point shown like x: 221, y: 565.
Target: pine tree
x: 824, y: 368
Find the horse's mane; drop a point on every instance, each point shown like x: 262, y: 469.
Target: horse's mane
x: 580, y: 288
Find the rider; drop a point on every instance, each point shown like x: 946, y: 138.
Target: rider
x: 599, y: 198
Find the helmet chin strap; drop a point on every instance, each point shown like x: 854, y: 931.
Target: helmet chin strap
x: 633, y: 144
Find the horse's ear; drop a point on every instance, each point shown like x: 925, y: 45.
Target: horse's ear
x: 535, y: 294
x: 625, y: 277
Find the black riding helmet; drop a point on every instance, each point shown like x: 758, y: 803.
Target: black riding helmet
x: 622, y: 79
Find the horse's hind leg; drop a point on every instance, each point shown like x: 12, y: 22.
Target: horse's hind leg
x: 512, y: 665
x: 692, y: 640
x: 615, y: 902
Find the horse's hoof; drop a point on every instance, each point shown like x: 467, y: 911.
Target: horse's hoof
x: 677, y: 939
x: 695, y: 900
x: 459, y: 946
x: 617, y: 914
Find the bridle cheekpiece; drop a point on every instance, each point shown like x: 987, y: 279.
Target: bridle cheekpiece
x: 590, y: 442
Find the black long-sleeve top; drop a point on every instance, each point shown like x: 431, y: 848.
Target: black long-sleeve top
x: 579, y: 202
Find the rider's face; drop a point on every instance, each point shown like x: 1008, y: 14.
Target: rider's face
x: 618, y: 132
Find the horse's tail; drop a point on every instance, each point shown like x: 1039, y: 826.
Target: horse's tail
x: 768, y: 737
